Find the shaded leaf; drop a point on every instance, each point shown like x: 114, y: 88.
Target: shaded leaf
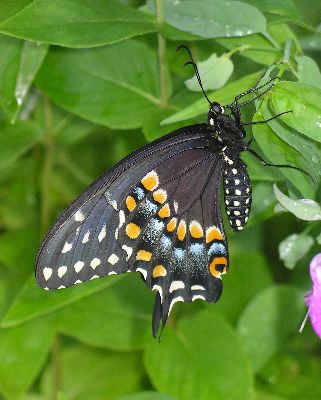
x: 304, y: 101
x: 15, y: 140
x: 77, y: 24
x: 278, y: 152
x: 23, y: 351
x: 268, y: 320
x: 97, y: 84
x: 118, y: 317
x: 308, y: 71
x: 182, y: 365
x: 95, y: 374
x: 210, y: 19
x: 33, y: 302
x: 305, y: 209
x: 147, y: 396
x: 215, y: 71
x: 240, y: 286
x: 294, y: 248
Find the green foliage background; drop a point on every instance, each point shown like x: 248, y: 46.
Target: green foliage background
x: 82, y: 84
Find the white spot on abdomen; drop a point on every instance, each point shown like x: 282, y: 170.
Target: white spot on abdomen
x: 198, y: 287
x: 128, y: 250
x: 143, y: 272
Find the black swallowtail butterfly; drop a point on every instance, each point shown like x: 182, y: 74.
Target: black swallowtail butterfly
x: 158, y: 212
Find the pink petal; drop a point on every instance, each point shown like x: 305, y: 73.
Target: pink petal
x: 314, y: 299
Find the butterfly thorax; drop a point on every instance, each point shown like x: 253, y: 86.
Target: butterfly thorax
x: 228, y: 136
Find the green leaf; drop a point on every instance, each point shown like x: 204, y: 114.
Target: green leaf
x: 71, y: 23
x: 33, y: 302
x: 308, y: 71
x: 258, y: 47
x: 32, y: 56
x: 277, y: 11
x: 97, y: 84
x: 293, y: 248
x: 223, y: 96
x: 268, y: 320
x: 18, y: 66
x: 10, y: 50
x: 123, y: 325
x: 215, y: 71
x: 23, y: 351
x: 305, y: 209
x: 304, y: 101
x: 146, y: 396
x: 15, y: 140
x: 279, y: 152
x: 210, y: 19
x: 240, y: 286
x: 198, y: 359
x: 13, y: 244
x: 95, y: 374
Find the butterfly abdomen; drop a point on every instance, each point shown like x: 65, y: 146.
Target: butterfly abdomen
x: 237, y: 194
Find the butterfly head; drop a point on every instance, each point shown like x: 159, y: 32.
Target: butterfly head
x: 215, y: 111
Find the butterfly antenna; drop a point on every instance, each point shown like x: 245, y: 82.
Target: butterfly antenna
x: 192, y: 62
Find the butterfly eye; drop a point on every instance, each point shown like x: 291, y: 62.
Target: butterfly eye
x: 217, y: 108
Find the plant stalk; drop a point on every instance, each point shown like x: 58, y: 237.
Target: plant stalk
x: 163, y: 70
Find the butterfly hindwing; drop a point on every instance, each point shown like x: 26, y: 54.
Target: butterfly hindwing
x: 157, y: 213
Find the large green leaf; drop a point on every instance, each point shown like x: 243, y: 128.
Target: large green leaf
x: 15, y: 140
x: 118, y: 317
x: 23, y: 351
x: 268, y: 320
x: 241, y: 285
x: 279, y: 152
x: 201, y: 358
x: 213, y: 18
x: 33, y: 302
x: 304, y: 101
x: 98, y: 84
x: 72, y: 23
x: 96, y: 374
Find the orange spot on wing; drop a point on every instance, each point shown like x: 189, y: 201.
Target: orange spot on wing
x: 181, y: 230
x: 132, y: 230
x: 143, y: 255
x: 150, y: 181
x: 218, y: 261
x: 196, y: 229
x: 160, y: 196
x: 171, y: 225
x: 159, y: 270
x: 164, y: 212
x: 131, y: 203
x: 213, y: 233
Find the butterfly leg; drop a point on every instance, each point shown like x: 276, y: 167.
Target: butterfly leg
x: 266, y: 164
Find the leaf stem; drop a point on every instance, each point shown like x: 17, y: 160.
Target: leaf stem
x: 46, y: 168
x: 163, y: 70
x: 45, y: 175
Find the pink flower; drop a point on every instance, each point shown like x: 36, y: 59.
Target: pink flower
x: 313, y: 298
